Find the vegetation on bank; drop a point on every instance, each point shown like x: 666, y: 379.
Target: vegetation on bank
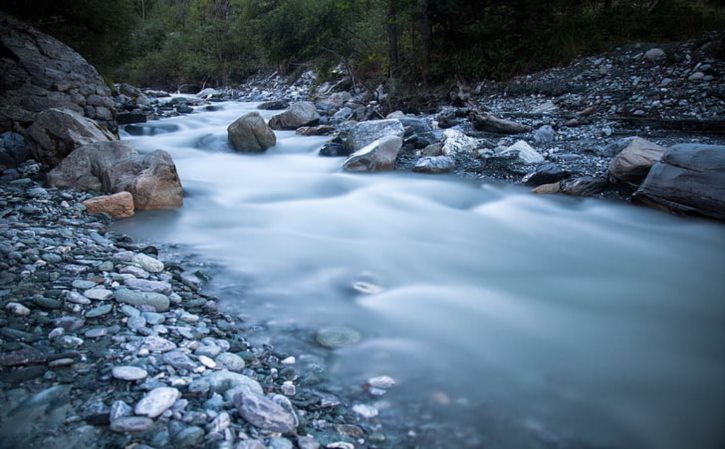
x: 164, y: 43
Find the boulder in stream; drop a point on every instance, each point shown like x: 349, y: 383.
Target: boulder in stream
x: 249, y: 133
x: 378, y: 156
x: 363, y: 134
x: 302, y: 113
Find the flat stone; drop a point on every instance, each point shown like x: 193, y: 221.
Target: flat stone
x: 158, y: 344
x: 132, y: 424
x: 220, y: 381
x: 179, y: 360
x: 137, y: 298
x: 263, y: 413
x: 148, y: 263
x: 191, y: 436
x: 148, y: 286
x: 99, y: 294
x: 83, y: 284
x: 307, y: 442
x: 337, y: 337
x: 99, y: 311
x: 157, y: 401
x: 22, y: 357
x: 129, y: 373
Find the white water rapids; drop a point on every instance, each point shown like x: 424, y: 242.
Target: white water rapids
x: 583, y: 320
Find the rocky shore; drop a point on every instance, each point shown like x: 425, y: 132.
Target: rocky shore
x: 105, y: 344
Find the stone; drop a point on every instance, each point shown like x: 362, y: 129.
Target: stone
x: 274, y: 105
x: 307, y: 442
x: 132, y: 424
x: 634, y: 162
x: 148, y: 286
x: 545, y: 174
x: 655, y: 55
x: 547, y: 189
x: 113, y: 167
x: 129, y: 373
x: 366, y: 411
x: 148, y: 263
x: 335, y: 148
x: 136, y: 298
x: 179, y: 360
x: 337, y: 337
x: 250, y: 444
x: 230, y: 361
x: 263, y: 413
x: 378, y: 156
x: 299, y: 114
x: 545, y: 134
x: 223, y: 380
x: 13, y: 150
x: 118, y: 205
x: 524, y: 153
x: 157, y: 401
x: 435, y: 165
x: 249, y: 133
x: 57, y: 132
x: 484, y: 121
x: 22, y: 357
x: 98, y: 294
x: 99, y: 311
x: 157, y: 344
x: 690, y: 179
x: 382, y: 382
x: 188, y: 437
x: 584, y: 186
x: 456, y: 142
x: 363, y: 134
x: 280, y: 443
x: 38, y: 72
x: 17, y: 309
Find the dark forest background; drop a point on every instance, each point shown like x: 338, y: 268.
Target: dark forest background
x: 163, y: 43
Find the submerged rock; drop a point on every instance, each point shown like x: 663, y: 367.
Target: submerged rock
x: 263, y: 413
x: 337, y: 337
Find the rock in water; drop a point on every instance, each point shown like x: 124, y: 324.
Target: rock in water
x: 57, y: 132
x: 263, y: 413
x: 158, y: 185
x: 378, y: 156
x: 634, y: 162
x: 337, y: 337
x: 299, y: 114
x: 118, y: 205
x: 157, y: 401
x: 690, y: 178
x: 363, y: 134
x: 249, y: 133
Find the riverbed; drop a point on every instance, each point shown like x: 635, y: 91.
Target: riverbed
x: 526, y: 321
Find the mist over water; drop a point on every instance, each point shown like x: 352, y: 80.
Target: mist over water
x: 576, y: 320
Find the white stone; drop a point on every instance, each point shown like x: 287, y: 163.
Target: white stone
x: 148, y: 263
x: 99, y: 294
x: 455, y: 141
x: 524, y: 153
x: 129, y: 373
x: 157, y: 401
x: 17, y: 309
x: 366, y: 411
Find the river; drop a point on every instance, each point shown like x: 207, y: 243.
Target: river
x: 531, y: 321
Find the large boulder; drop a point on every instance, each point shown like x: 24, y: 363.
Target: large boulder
x: 299, y: 114
x: 57, y: 132
x: 249, y: 133
x: 690, y: 178
x: 378, y: 156
x: 363, y: 134
x: 634, y: 162
x: 38, y: 72
x: 113, y: 167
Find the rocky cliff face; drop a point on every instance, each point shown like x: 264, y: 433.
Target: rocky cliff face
x: 38, y: 72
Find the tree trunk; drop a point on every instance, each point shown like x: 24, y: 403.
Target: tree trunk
x: 425, y: 33
x: 393, y: 50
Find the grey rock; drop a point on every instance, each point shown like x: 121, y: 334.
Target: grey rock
x: 179, y: 360
x: 188, y: 437
x: 363, y: 134
x: 13, y: 149
x: 157, y: 401
x: 249, y: 133
x: 119, y: 409
x: 263, y: 413
x: 250, y: 444
x: 380, y: 155
x: 524, y: 153
x: 129, y: 373
x: 307, y: 442
x: 132, y: 424
x: 148, y: 286
x: 337, y: 337
x: 299, y: 114
x: 280, y: 443
x: 545, y: 134
x: 223, y: 380
x: 157, y: 344
x: 435, y: 164
x: 99, y: 311
x: 545, y: 174
x: 98, y: 294
x: 690, y: 178
x: 136, y: 298
x: 148, y: 263
x: 57, y: 132
x: 634, y: 162
x: 230, y: 361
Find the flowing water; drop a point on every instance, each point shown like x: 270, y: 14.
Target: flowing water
x: 531, y: 321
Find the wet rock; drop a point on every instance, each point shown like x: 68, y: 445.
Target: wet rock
x: 13, y: 149
x: 132, y: 424
x: 299, y: 114
x: 335, y: 148
x: 179, y: 360
x: 546, y: 174
x: 690, y: 178
x: 57, y: 132
x: 99, y: 311
x: 378, y: 156
x: 137, y: 298
x: 337, y: 337
x: 363, y: 134
x: 22, y: 357
x: 157, y: 401
x: 223, y: 380
x: 435, y: 165
x: 524, y: 153
x: 584, y: 186
x: 129, y: 373
x: 263, y: 413
x: 321, y: 130
x: 249, y: 133
x: 545, y: 134
x: 157, y: 185
x: 188, y: 437
x: 634, y: 162
x: 148, y: 263
x: 230, y: 361
x: 17, y: 309
x: 119, y: 205
x: 366, y: 411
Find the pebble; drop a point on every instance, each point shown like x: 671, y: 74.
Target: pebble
x: 288, y: 388
x: 99, y: 294
x: 148, y: 263
x: 129, y: 373
x: 263, y: 413
x: 337, y: 337
x: 157, y: 344
x: 280, y: 443
x: 206, y: 361
x: 99, y: 311
x: 132, y: 424
x: 307, y: 442
x: 383, y: 382
x: 17, y: 309
x: 179, y: 360
x: 157, y: 401
x: 366, y: 411
x: 76, y: 298
x: 61, y: 362
x: 96, y: 332
x: 230, y: 361
x: 190, y: 436
x: 159, y: 302
x: 81, y: 284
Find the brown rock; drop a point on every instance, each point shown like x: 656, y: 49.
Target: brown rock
x: 546, y: 189
x: 158, y: 186
x: 118, y: 205
x: 634, y: 162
